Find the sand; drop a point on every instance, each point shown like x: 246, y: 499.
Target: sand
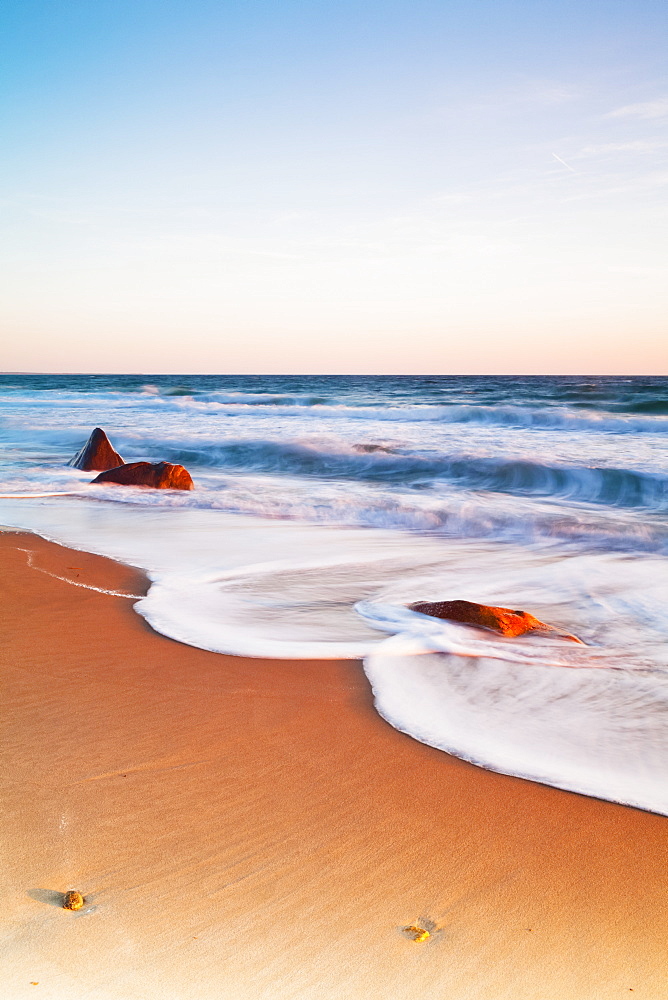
x: 252, y: 829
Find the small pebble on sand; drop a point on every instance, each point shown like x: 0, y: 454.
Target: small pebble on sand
x: 73, y: 900
x: 418, y: 934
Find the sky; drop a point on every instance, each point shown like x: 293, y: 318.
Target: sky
x: 280, y: 186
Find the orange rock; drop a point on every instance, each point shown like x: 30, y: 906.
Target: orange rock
x: 159, y: 476
x: 97, y: 455
x: 502, y: 620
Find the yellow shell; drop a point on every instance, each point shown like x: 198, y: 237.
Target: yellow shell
x: 73, y: 900
x: 418, y: 934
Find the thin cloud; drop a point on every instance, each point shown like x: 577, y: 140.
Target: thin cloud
x: 646, y: 109
x: 564, y: 164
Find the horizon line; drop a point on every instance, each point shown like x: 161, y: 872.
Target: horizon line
x: 546, y: 374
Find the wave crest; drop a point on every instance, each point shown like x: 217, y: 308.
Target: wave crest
x: 380, y: 462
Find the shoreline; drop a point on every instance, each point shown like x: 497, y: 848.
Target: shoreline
x: 250, y: 827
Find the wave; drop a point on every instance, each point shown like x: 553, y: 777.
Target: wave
x: 266, y: 398
x: 238, y: 397
x: 543, y: 418
x: 512, y: 707
x: 651, y: 418
x: 549, y: 418
x: 438, y: 507
x: 659, y: 406
x: 369, y: 462
x: 461, y: 515
x: 612, y: 487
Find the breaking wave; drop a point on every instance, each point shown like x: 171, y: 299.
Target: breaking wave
x: 383, y: 464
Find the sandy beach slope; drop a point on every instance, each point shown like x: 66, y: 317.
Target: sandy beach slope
x: 252, y: 829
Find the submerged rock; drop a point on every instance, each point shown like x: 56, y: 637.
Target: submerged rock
x: 502, y: 620
x: 97, y: 455
x: 159, y: 476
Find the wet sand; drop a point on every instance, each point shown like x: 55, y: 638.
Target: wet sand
x: 246, y: 828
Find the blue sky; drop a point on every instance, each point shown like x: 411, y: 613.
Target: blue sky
x: 302, y: 186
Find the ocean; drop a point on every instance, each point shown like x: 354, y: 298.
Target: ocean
x: 324, y: 505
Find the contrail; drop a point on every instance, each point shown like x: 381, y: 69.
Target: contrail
x: 563, y: 163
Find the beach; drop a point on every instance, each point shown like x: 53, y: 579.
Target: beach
x: 253, y: 828
x: 334, y: 502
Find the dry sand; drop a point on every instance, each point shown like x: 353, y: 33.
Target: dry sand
x: 252, y: 829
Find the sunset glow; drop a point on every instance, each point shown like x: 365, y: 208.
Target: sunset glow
x: 299, y: 187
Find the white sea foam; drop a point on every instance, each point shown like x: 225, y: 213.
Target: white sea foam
x: 595, y: 731
x: 589, y: 719
x: 255, y: 587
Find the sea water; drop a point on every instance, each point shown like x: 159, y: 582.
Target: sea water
x: 325, y: 505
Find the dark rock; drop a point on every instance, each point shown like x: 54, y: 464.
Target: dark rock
x: 159, y: 476
x: 97, y: 455
x: 502, y: 620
